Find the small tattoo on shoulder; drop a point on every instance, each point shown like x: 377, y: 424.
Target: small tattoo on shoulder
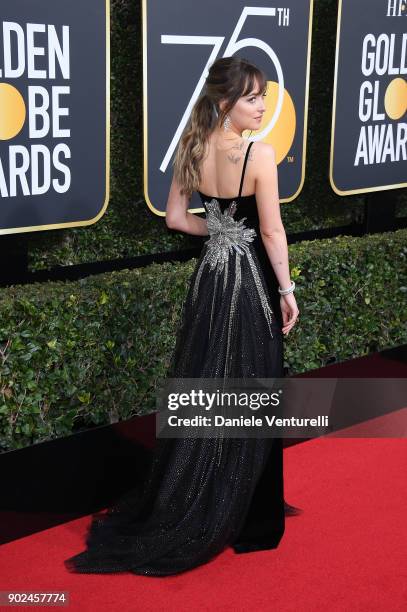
x: 239, y: 146
x: 233, y: 158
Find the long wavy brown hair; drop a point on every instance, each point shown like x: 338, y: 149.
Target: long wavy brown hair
x: 229, y: 78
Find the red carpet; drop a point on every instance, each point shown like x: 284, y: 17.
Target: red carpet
x: 346, y: 551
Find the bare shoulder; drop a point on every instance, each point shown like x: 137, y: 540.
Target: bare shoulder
x: 264, y: 153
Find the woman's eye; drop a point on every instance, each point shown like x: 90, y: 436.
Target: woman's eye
x: 263, y: 95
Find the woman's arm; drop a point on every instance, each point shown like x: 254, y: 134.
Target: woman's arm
x: 272, y: 230
x: 268, y: 205
x: 179, y: 218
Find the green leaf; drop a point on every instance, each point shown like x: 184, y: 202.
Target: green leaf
x: 104, y: 298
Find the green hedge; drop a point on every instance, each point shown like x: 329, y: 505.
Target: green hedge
x: 79, y: 354
x: 129, y: 228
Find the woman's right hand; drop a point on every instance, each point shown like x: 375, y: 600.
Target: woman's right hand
x: 289, y: 310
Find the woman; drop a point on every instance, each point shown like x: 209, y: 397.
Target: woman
x: 202, y: 495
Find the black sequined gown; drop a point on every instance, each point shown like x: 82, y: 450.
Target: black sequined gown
x: 192, y: 506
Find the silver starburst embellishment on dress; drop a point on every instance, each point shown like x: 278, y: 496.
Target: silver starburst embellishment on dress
x: 226, y: 234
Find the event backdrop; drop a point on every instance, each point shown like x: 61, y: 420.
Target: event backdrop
x: 54, y: 113
x: 369, y: 129
x: 182, y: 39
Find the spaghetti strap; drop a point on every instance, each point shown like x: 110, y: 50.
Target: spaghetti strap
x: 244, y: 168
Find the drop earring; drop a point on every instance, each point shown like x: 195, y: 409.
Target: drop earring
x: 226, y: 123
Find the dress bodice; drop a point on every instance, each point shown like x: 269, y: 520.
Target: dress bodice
x: 246, y: 207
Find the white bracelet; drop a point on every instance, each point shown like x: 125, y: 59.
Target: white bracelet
x: 286, y: 291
